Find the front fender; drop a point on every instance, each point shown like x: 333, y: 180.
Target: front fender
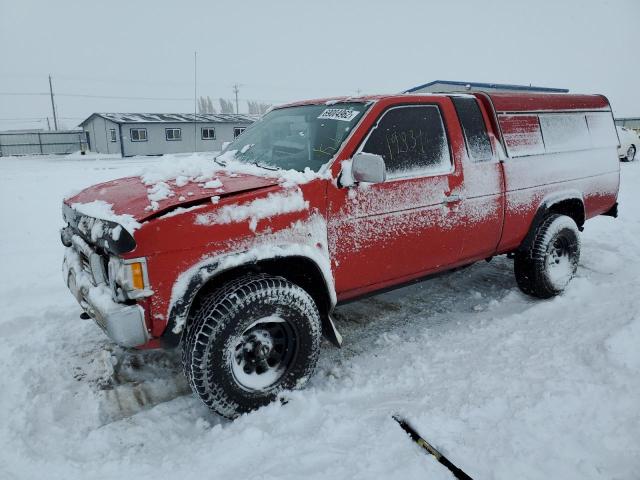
x: 189, y: 283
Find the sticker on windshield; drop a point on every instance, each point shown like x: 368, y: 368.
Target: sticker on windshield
x: 343, y: 114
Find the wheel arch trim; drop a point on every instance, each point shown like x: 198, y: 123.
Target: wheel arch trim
x: 546, y: 206
x: 191, y: 281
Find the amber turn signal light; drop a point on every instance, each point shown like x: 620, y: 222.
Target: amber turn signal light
x: 137, y: 277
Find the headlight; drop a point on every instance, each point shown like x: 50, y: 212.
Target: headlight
x: 128, y: 278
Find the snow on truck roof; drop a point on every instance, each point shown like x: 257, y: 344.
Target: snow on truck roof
x: 530, y: 102
x: 502, y: 101
x: 175, y: 117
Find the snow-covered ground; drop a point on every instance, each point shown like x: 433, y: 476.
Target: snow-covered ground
x: 506, y: 386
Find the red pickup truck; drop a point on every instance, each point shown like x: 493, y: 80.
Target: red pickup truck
x: 242, y: 258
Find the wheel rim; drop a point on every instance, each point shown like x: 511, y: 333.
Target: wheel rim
x: 631, y: 153
x: 263, y: 353
x: 560, y: 261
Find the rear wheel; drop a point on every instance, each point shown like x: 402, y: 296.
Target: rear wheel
x: 248, y: 341
x: 547, y: 267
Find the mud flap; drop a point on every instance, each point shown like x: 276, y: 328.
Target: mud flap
x: 330, y: 331
x: 612, y: 212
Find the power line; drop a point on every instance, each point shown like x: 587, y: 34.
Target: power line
x: 83, y: 95
x: 131, y: 80
x: 115, y: 97
x: 20, y: 120
x: 21, y: 93
x: 24, y: 119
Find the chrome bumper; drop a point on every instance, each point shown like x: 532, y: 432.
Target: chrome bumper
x: 124, y: 324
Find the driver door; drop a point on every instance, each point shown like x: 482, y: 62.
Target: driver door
x: 386, y: 233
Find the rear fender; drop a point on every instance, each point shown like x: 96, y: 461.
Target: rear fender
x: 549, y: 205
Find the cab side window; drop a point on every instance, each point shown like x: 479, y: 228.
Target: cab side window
x: 412, y: 141
x: 474, y: 129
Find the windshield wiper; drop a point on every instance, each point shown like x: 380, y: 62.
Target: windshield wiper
x: 256, y: 160
x: 265, y: 166
x: 243, y: 156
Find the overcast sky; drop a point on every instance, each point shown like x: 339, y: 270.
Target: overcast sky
x: 284, y: 50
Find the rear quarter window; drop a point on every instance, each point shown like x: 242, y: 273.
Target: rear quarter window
x: 602, y: 129
x: 522, y: 134
x: 564, y: 132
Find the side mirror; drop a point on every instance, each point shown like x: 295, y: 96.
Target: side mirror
x: 368, y: 167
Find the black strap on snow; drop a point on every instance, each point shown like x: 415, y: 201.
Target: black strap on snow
x: 422, y: 443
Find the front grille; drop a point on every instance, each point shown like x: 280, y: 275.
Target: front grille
x: 86, y: 265
x: 92, y: 262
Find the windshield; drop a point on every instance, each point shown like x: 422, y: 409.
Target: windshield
x: 296, y: 138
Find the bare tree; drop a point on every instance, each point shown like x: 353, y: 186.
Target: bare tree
x: 226, y: 106
x: 257, y: 108
x: 205, y: 105
x: 202, y: 105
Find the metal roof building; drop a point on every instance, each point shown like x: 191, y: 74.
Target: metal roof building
x: 445, y: 86
x: 130, y: 134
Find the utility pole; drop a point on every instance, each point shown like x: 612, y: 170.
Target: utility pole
x: 53, y: 106
x: 48, y: 124
x: 195, y: 101
x: 236, y: 89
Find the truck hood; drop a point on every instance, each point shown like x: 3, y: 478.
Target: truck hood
x: 132, y: 198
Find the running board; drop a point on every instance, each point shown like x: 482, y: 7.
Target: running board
x: 330, y: 331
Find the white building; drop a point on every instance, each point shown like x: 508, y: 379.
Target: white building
x: 159, y: 133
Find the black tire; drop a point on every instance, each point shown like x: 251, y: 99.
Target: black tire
x: 195, y: 321
x: 248, y: 341
x: 547, y: 267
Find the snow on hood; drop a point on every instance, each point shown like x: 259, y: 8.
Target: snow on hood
x: 277, y: 203
x: 177, y: 182
x: 132, y: 198
x: 104, y: 211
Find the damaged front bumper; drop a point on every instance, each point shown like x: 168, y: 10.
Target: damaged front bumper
x: 124, y: 324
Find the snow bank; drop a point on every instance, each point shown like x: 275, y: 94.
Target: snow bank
x: 506, y: 386
x: 623, y: 345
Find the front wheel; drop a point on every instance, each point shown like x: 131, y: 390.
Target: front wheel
x: 248, y: 341
x: 546, y: 268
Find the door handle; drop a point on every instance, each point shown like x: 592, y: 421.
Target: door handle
x: 448, y: 199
